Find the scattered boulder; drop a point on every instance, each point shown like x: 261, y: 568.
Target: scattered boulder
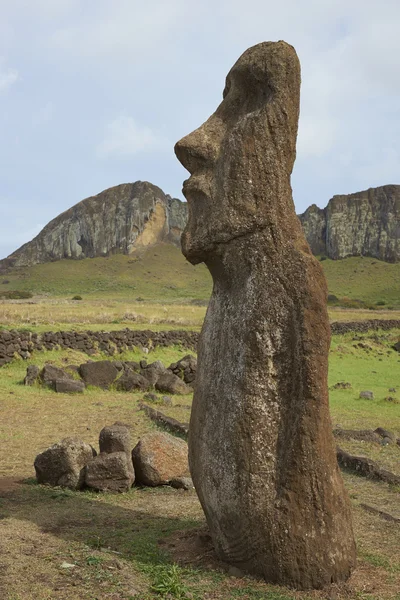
x: 115, y: 438
x: 151, y: 375
x: 69, y: 386
x: 166, y: 422
x: 367, y: 395
x: 150, y: 397
x: 32, y: 374
x: 132, y: 365
x: 49, y: 374
x: 364, y: 435
x: 130, y: 381
x: 157, y: 366
x: 118, y: 364
x: 392, y: 390
x: 185, y: 368
x: 365, y: 467
x: 392, y: 400
x: 172, y: 384
x: 110, y: 473
x: 100, y: 374
x: 64, y: 463
x: 158, y: 458
x: 385, y: 434
x: 182, y: 483
x: 341, y: 385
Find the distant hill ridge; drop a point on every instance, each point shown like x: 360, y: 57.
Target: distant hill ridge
x: 136, y: 215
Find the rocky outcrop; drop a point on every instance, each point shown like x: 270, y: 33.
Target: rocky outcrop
x: 118, y: 220
x: 361, y: 224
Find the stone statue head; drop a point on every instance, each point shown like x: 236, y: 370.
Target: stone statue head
x: 234, y: 188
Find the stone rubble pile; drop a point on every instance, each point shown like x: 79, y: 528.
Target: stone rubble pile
x: 126, y: 376
x: 157, y: 459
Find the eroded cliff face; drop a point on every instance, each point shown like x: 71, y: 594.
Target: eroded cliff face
x: 363, y: 224
x: 117, y: 220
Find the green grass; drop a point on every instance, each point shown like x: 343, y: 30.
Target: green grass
x: 366, y: 279
x: 375, y: 368
x: 162, y: 274
x: 123, y: 545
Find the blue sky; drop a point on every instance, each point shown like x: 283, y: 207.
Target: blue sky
x: 94, y: 93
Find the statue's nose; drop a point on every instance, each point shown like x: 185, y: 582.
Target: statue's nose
x: 199, y: 149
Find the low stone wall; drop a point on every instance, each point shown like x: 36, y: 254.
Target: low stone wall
x: 15, y: 342
x: 112, y: 342
x: 338, y: 328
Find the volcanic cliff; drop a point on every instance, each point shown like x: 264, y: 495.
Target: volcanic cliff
x: 362, y: 224
x: 117, y: 220
x: 134, y: 215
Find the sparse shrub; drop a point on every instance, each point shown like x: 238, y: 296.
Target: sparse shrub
x: 381, y: 303
x: 168, y: 584
x: 322, y: 257
x: 77, y: 297
x: 16, y: 295
x: 139, y: 299
x: 332, y: 299
x: 5, y: 281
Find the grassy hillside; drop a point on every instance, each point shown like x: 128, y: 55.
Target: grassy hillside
x: 366, y: 279
x: 161, y: 274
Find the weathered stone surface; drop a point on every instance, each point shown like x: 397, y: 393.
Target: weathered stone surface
x: 32, y: 374
x: 130, y: 381
x: 110, y: 473
x: 367, y: 395
x: 115, y: 438
x: 100, y: 374
x: 69, y: 386
x: 49, y: 374
x: 159, y: 458
x: 182, y: 483
x: 168, y: 382
x: 185, y: 368
x: 261, y: 450
x: 64, y: 463
x: 119, y: 219
x: 366, y: 223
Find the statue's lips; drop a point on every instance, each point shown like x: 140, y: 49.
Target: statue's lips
x: 193, y: 187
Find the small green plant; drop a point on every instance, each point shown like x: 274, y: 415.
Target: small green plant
x: 77, y: 297
x: 94, y: 560
x: 381, y: 303
x: 168, y: 583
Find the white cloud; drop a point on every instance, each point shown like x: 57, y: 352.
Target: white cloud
x: 124, y: 137
x: 7, y: 77
x: 128, y: 29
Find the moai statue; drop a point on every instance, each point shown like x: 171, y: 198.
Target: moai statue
x: 261, y: 449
